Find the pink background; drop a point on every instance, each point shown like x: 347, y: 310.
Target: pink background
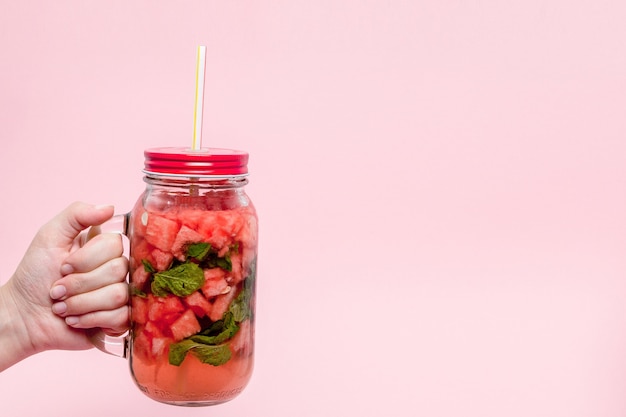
x: 441, y: 187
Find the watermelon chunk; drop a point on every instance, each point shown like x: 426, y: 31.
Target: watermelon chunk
x: 217, y: 229
x: 139, y: 278
x: 221, y: 304
x: 198, y: 304
x: 152, y: 330
x: 140, y: 250
x: 160, y: 346
x: 161, y: 260
x: 236, y: 273
x: 139, y: 310
x: 214, y: 273
x: 215, y: 283
x: 164, y: 309
x: 242, y: 341
x: 191, y: 217
x: 142, y: 344
x: 185, y: 237
x: 247, y: 235
x: 161, y: 232
x: 186, y: 325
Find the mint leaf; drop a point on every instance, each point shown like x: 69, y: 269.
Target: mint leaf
x: 212, y: 355
x: 198, y: 251
x: 207, y: 346
x: 219, y: 332
x: 134, y: 291
x: 240, y: 307
x: 148, y: 266
x: 213, y: 261
x: 179, y: 350
x: 226, y: 334
x: 182, y: 280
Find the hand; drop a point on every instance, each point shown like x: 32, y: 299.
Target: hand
x: 93, y: 292
x: 63, y: 286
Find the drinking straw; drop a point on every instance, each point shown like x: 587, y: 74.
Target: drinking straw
x: 197, y: 112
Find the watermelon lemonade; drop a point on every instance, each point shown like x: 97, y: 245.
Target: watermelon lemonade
x: 193, y: 254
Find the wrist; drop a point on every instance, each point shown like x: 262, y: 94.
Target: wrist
x: 14, y: 337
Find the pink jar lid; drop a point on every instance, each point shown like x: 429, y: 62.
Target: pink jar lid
x: 213, y: 162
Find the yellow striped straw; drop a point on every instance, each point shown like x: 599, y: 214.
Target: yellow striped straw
x: 196, y: 144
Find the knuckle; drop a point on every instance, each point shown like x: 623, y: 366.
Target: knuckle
x: 115, y: 322
x: 88, y: 320
x: 120, y: 295
x: 114, y: 243
x: 75, y: 305
x: 122, y: 319
x: 118, y: 268
x: 76, y: 283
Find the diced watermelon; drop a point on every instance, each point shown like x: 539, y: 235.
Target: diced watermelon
x: 215, y: 282
x: 171, y: 213
x: 139, y: 309
x: 140, y: 277
x: 142, y: 343
x: 222, y: 252
x: 172, y: 304
x: 191, y: 217
x: 214, y: 273
x: 164, y: 309
x: 198, y: 304
x: 247, y: 235
x: 221, y: 304
x: 236, y: 220
x: 160, y: 346
x: 161, y: 231
x: 185, y: 326
x: 220, y: 227
x: 215, y: 287
x: 140, y: 250
x: 154, y: 307
x: 152, y: 330
x: 161, y: 260
x: 217, y: 227
x: 206, y: 224
x: 236, y: 272
x: 185, y: 237
x: 242, y: 341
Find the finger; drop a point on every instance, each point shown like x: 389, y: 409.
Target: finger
x: 68, y: 224
x: 110, y: 272
x: 113, y: 322
x: 94, y: 253
x: 91, y: 233
x: 110, y: 297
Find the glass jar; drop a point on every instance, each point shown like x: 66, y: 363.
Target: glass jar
x: 193, y: 254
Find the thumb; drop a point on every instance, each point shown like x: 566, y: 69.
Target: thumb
x: 68, y: 224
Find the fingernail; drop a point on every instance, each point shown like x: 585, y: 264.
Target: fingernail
x: 57, y: 292
x: 66, y: 269
x: 102, y: 206
x: 71, y: 321
x: 59, y: 308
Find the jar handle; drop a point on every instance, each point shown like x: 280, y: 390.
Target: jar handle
x: 114, y: 345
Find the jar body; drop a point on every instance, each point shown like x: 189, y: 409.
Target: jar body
x: 193, y: 250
